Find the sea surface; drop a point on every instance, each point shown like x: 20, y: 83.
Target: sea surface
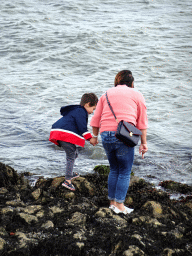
x: 52, y: 52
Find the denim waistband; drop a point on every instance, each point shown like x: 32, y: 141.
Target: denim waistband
x: 108, y: 133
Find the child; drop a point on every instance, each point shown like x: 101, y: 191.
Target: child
x: 71, y: 130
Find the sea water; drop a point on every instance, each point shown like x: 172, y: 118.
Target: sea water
x: 52, y: 52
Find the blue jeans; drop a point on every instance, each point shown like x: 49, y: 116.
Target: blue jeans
x: 120, y: 159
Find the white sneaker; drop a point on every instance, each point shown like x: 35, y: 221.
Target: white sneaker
x: 116, y: 210
x: 127, y: 210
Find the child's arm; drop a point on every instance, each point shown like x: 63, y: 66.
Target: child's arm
x: 81, y: 124
x: 94, y: 141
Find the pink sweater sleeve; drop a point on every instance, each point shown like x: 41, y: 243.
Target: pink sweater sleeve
x: 142, y: 120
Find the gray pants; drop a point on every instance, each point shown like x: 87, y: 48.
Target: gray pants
x: 71, y: 154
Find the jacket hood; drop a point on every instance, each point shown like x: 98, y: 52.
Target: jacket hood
x: 65, y: 110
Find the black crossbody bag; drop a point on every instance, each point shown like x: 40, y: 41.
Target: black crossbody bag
x: 125, y: 132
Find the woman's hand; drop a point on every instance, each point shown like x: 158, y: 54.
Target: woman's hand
x: 143, y: 149
x: 93, y: 141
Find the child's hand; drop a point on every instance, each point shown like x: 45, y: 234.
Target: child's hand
x: 94, y: 141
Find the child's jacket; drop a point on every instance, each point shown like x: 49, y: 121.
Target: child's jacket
x: 72, y: 127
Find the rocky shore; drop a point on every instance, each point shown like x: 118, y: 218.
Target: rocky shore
x: 50, y: 220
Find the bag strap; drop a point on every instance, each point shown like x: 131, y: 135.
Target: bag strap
x: 111, y: 107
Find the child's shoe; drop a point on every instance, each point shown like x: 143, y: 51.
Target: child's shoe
x: 75, y: 175
x: 67, y: 185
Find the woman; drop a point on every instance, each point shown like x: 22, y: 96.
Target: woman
x: 128, y: 105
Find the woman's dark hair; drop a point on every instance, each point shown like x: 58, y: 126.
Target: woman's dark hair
x: 90, y: 98
x: 124, y: 77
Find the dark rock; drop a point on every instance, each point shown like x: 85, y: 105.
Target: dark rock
x: 49, y: 219
x: 176, y: 186
x: 8, y: 176
x: 102, y: 169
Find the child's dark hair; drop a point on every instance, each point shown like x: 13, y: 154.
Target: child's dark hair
x: 124, y: 77
x: 90, y: 98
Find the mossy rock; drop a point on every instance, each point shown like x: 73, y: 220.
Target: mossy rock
x: 105, y: 169
x: 176, y: 186
x: 8, y: 176
x: 102, y: 169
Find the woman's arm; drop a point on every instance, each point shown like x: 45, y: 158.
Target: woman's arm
x: 144, y: 136
x: 95, y: 131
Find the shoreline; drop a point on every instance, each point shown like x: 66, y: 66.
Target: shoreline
x: 48, y: 219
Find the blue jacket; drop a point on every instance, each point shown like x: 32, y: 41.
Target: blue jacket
x: 72, y: 127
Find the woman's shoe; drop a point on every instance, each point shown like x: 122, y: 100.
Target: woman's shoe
x: 66, y: 184
x: 127, y: 210
x: 116, y: 210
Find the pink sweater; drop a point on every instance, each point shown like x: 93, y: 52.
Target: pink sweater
x: 128, y: 105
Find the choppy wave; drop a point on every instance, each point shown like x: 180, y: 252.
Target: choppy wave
x: 51, y: 53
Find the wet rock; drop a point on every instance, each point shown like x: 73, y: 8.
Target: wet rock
x: 129, y: 201
x: 120, y: 222
x: 139, y: 239
x: 28, y: 218
x: 8, y: 176
x: 56, y: 209
x: 40, y: 214
x: 56, y: 182
x: 133, y: 250
x: 48, y: 224
x: 32, y: 209
x: 170, y: 252
x: 23, y: 241
x: 156, y: 208
x: 176, y: 186
x: 105, y: 215
x: 103, y: 212
x: 84, y: 186
x: 6, y: 210
x: 48, y: 219
x: 2, y: 232
x: 80, y: 235
x: 2, y: 243
x: 69, y: 195
x: 41, y: 182
x: 189, y: 205
x: 15, y: 203
x: 77, y: 219
x: 36, y: 193
x: 3, y: 190
x: 146, y: 220
x: 102, y: 169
